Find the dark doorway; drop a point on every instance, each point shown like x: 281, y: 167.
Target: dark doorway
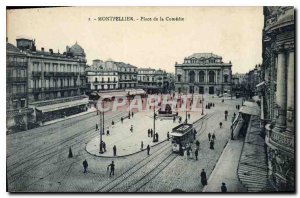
x: 211, y: 90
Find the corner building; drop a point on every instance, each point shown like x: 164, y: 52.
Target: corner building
x: 278, y: 95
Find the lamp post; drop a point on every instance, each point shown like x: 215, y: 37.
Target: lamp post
x: 154, y: 118
x: 202, y: 113
x: 186, y: 107
x: 128, y: 96
x: 101, y: 127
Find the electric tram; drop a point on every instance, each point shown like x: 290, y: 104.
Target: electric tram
x: 182, y: 137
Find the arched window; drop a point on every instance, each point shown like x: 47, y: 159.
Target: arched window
x: 225, y: 78
x: 211, y: 77
x: 179, y: 78
x: 191, y: 76
x: 201, y: 76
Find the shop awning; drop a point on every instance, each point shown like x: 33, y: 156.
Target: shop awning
x: 250, y: 108
x: 65, y: 105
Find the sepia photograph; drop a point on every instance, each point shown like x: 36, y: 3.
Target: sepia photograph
x: 150, y: 99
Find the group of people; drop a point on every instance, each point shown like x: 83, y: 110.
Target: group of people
x: 204, y: 181
x: 237, y: 107
x: 153, y: 135
x: 209, y: 105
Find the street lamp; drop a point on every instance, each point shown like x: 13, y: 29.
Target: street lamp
x: 186, y: 107
x: 128, y: 96
x: 202, y: 113
x: 101, y: 128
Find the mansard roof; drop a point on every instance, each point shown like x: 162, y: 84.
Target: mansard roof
x: 203, y: 55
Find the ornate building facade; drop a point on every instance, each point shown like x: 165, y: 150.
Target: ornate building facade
x: 101, y: 76
x: 153, y: 81
x: 127, y: 75
x: 203, y: 73
x: 277, y: 90
x: 17, y: 110
x: 55, y: 81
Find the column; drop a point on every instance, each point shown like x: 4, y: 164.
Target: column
x: 290, y: 92
x: 281, y: 92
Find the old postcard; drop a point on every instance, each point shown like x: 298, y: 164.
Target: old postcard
x: 150, y: 99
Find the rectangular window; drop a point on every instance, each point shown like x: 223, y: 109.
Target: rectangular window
x: 23, y: 103
x: 15, y: 104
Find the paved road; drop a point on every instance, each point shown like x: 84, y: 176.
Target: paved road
x: 37, y: 159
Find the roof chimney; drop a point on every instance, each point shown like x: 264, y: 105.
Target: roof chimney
x: 42, y: 49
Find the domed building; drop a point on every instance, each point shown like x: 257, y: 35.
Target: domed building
x: 76, y: 51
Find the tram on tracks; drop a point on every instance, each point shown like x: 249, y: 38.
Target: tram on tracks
x: 182, y: 136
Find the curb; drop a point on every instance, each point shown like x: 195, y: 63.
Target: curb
x: 126, y: 154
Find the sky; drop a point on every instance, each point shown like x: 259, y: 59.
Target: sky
x: 235, y: 33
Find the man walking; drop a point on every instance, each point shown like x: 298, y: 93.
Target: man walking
x: 115, y: 150
x: 220, y: 124
x: 209, y: 136
x: 149, y: 131
x: 85, y: 165
x: 104, y: 146
x: 112, y: 168
x: 223, y: 187
x: 148, y: 150
x: 213, y: 137
x: 212, y: 143
x: 168, y: 136
x: 196, y: 154
x: 97, y: 127
x: 142, y: 145
x: 203, y: 178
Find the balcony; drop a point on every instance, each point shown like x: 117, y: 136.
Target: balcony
x: 18, y: 112
x: 49, y: 74
x: 16, y: 64
x: 36, y: 73
x: 19, y: 95
x: 36, y: 90
x: 17, y: 79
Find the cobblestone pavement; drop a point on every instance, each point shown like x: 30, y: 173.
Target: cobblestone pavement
x: 37, y: 159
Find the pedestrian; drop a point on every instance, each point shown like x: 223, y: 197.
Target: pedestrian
x: 115, y: 150
x: 112, y: 123
x: 209, y: 136
x: 112, y: 168
x: 213, y: 104
x: 107, y: 132
x: 131, y: 128
x: 203, y: 178
x: 97, y: 127
x: 223, y: 187
x: 234, y: 114
x: 185, y: 153
x: 225, y: 117
x: 85, y: 165
x: 191, y: 153
x: 168, y: 136
x: 142, y: 145
x: 211, y: 145
x: 174, y: 119
x: 189, y: 116
x: 196, y: 154
x: 213, y: 137
x: 149, y: 131
x: 148, y: 150
x: 104, y: 146
x: 131, y: 114
x: 197, y: 145
x: 156, y: 136
x: 180, y: 119
x: 220, y: 124
x: 122, y: 120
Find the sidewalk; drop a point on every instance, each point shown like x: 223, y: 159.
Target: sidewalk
x: 128, y: 143
x: 226, y: 169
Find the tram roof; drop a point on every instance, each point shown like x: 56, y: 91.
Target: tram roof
x: 181, y: 129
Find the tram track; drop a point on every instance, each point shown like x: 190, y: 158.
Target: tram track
x: 140, y: 171
x: 36, y: 159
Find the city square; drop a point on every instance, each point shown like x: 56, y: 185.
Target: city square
x: 200, y: 118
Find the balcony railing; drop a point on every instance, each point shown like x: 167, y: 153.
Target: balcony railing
x: 16, y: 64
x: 17, y: 79
x: 17, y: 112
x: 36, y: 73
